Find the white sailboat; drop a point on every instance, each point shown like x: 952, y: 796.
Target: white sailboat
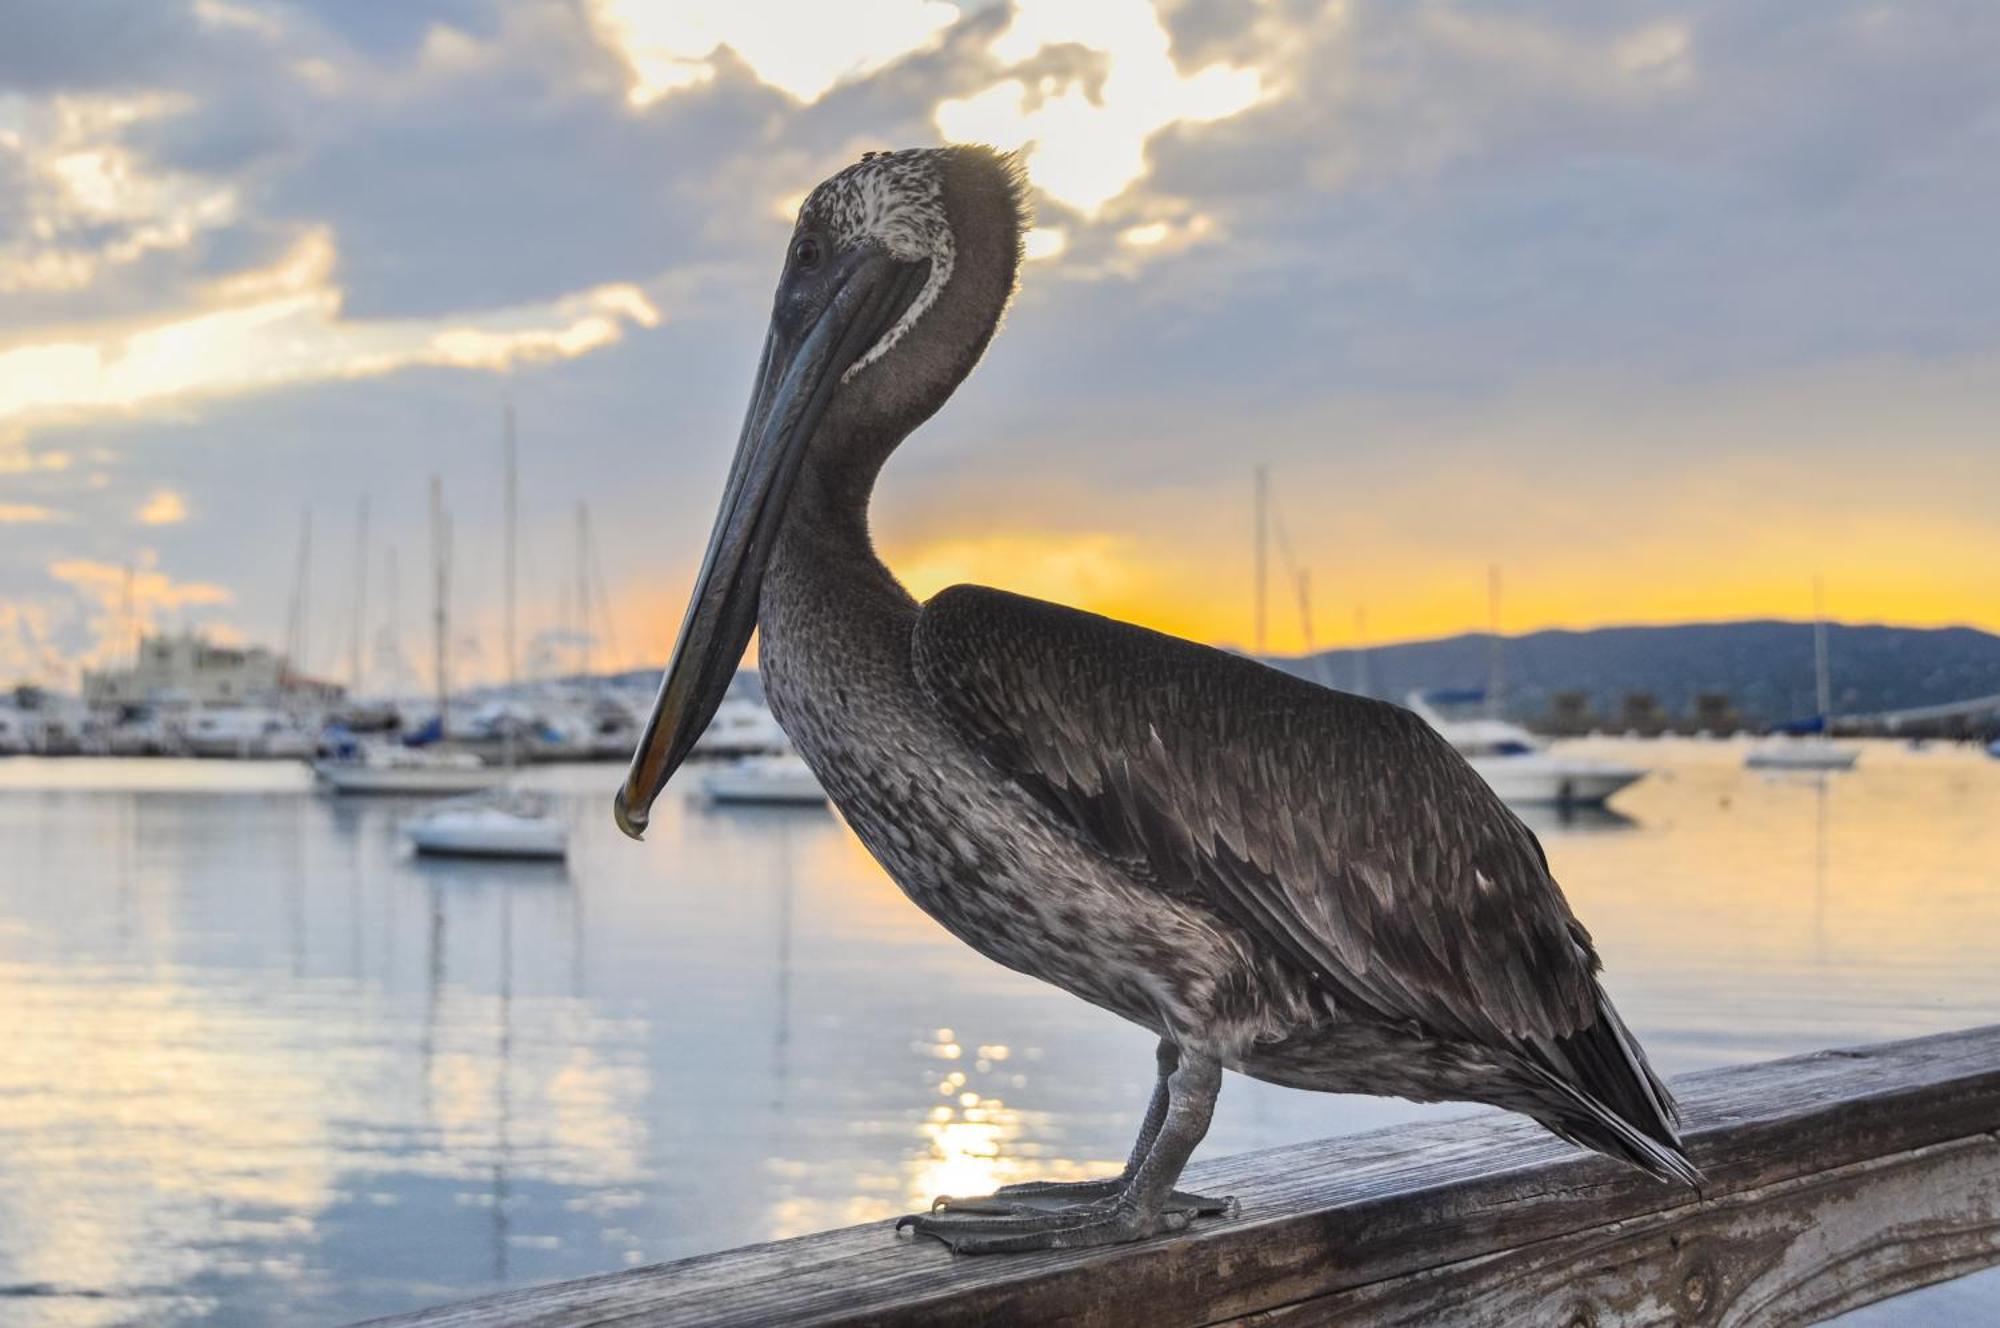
x: 507, y: 822
x: 742, y: 727
x: 780, y: 780
x: 357, y: 765
x: 1520, y: 767
x: 1810, y: 751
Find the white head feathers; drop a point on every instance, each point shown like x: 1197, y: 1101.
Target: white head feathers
x: 896, y: 199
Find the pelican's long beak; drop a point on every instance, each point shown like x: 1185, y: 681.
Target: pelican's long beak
x: 804, y: 358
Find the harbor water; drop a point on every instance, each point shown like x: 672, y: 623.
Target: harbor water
x: 261, y: 1065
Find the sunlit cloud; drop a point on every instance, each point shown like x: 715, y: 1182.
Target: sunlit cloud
x: 164, y: 508
x: 1045, y: 242
x: 94, y: 204
x: 1086, y: 146
x: 91, y: 610
x: 26, y: 514
x: 289, y: 330
x: 802, y: 50
x: 18, y: 460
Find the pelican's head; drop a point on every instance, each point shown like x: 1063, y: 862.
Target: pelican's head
x: 897, y: 274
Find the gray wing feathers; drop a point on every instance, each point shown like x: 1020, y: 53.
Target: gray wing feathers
x: 1342, y: 829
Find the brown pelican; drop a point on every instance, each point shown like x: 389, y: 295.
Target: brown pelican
x: 1304, y: 886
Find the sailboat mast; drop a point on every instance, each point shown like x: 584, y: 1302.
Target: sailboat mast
x: 394, y: 631
x: 583, y: 585
x: 298, y: 613
x: 507, y: 557
x: 1822, y: 676
x: 1496, y: 662
x: 1262, y: 521
x: 1362, y: 681
x: 355, y: 655
x: 507, y: 562
x: 441, y: 572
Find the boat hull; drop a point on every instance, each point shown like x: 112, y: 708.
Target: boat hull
x: 343, y: 777
x: 1802, y: 757
x: 445, y: 839
x: 1538, y: 780
x: 770, y: 781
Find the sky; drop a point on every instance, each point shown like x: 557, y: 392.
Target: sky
x: 1662, y: 309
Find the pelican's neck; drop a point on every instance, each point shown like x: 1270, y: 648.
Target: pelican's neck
x: 826, y: 594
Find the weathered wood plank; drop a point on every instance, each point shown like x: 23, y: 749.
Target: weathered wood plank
x: 1798, y: 1251
x: 1443, y: 1209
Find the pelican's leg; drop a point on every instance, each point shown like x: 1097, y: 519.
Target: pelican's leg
x: 1058, y: 1195
x: 1141, y: 1203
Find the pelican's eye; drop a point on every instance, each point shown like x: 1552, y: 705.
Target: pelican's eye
x: 805, y: 253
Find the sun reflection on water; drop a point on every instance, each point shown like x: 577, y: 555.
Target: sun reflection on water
x: 976, y: 1142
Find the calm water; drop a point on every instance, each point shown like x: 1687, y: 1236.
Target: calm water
x: 260, y: 1065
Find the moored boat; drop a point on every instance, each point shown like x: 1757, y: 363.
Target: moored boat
x: 386, y: 767
x: 1518, y: 766
x: 1807, y: 753
x: 776, y: 779
x: 503, y: 823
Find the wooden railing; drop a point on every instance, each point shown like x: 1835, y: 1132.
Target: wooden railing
x: 1833, y: 1180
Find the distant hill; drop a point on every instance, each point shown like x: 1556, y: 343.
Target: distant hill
x: 1765, y: 667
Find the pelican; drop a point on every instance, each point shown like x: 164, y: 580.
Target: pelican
x: 1304, y: 886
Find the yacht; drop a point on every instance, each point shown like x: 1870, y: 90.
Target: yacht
x: 1805, y: 746
x: 245, y: 732
x: 501, y: 823
x: 783, y: 779
x: 742, y: 727
x: 20, y: 734
x: 1809, y: 752
x: 354, y: 766
x: 1520, y: 767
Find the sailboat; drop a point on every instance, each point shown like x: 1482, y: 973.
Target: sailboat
x: 1521, y: 768
x: 353, y: 764
x: 1807, y: 747
x: 506, y: 822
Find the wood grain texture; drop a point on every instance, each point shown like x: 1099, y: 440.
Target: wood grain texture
x: 1834, y: 1179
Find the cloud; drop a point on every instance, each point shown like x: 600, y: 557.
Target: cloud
x: 163, y: 508
x: 94, y: 203
x: 86, y: 613
x: 1084, y: 145
x: 283, y: 327
x: 22, y: 514
x: 804, y: 50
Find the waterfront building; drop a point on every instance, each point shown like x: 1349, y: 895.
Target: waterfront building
x: 188, y: 669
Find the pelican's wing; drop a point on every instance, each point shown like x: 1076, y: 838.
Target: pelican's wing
x: 1342, y: 831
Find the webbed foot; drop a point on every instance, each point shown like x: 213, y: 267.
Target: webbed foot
x: 1058, y: 1196
x: 1078, y: 1227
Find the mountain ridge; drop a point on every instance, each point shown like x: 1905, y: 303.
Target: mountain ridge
x: 1764, y: 666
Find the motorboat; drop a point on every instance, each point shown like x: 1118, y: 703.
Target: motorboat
x: 20, y: 732
x: 783, y: 779
x: 503, y: 823
x: 354, y: 766
x: 1812, y: 752
x: 742, y: 727
x: 244, y: 732
x: 1520, y: 767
